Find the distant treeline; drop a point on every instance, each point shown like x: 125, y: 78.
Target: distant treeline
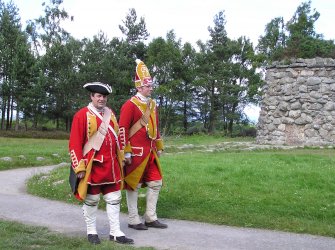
x: 43, y: 69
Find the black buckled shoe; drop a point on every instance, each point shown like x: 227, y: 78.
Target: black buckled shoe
x: 93, y: 239
x: 156, y: 224
x: 121, y: 239
x: 140, y: 226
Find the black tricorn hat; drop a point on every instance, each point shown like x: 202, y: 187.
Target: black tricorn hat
x: 98, y: 87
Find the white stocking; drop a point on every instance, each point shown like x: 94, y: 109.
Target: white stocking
x: 113, y: 212
x: 152, y: 198
x: 90, y: 208
x: 132, y: 197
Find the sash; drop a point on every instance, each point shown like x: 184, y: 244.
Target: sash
x: 146, y: 120
x: 105, y: 122
x: 96, y: 140
x: 143, y: 121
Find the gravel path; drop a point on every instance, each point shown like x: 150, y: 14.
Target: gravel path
x: 17, y: 205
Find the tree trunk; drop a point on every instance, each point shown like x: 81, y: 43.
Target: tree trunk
x: 3, y: 112
x: 11, y: 113
x: 8, y: 113
x: 231, y: 121
x: 212, y: 110
x: 17, y: 119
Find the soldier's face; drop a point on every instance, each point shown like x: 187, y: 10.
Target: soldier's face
x: 99, y: 101
x: 146, y: 90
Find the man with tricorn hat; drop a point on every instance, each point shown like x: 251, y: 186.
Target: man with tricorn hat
x: 97, y: 162
x: 142, y: 145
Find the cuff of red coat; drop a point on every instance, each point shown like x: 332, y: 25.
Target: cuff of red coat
x: 159, y: 145
x: 81, y: 166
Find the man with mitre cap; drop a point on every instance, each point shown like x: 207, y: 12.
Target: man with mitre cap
x: 142, y: 145
x: 97, y: 162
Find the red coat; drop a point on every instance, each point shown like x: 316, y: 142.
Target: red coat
x: 105, y: 167
x: 144, y: 142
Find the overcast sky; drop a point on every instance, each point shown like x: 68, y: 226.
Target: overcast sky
x: 188, y: 18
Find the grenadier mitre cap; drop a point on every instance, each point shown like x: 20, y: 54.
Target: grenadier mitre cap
x: 98, y: 87
x: 142, y: 76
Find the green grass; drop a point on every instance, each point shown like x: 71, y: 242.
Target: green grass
x: 283, y: 190
x: 14, y: 236
x: 23, y: 152
x: 201, y: 139
x: 289, y: 190
x: 26, y: 152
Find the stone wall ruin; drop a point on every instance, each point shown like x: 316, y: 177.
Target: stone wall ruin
x: 298, y: 103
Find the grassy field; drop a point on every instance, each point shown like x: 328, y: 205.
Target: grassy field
x: 289, y: 190
x: 27, y: 152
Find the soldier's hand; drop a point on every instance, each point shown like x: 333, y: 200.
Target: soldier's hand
x: 81, y: 174
x: 159, y: 152
x: 128, y: 161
